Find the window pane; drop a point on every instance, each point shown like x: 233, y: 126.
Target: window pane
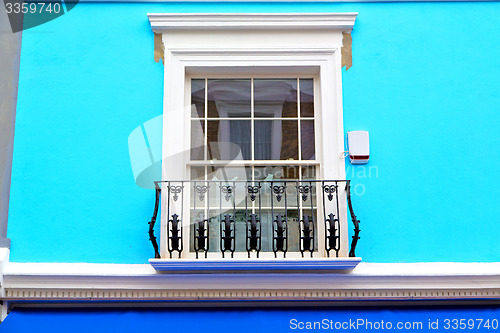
x: 306, y: 98
x: 308, y: 173
x: 276, y: 140
x: 198, y: 98
x: 276, y: 172
x: 229, y: 139
x: 275, y: 98
x: 233, y: 173
x: 307, y: 138
x: 229, y: 98
x: 197, y: 139
x: 198, y: 173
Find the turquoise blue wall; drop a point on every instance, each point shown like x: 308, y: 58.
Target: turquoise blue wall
x: 424, y: 82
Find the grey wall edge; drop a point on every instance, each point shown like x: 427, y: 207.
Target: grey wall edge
x: 10, y: 51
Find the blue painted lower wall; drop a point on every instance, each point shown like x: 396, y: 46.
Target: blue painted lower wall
x: 251, y: 320
x: 424, y: 83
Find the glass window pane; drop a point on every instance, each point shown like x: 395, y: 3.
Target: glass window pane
x: 308, y: 172
x: 229, y: 98
x: 229, y: 139
x: 234, y: 177
x: 233, y: 173
x: 197, y: 139
x: 307, y: 138
x: 306, y: 98
x: 276, y: 172
x: 198, y: 98
x: 272, y: 175
x: 275, y: 98
x: 198, y: 173
x: 293, y: 230
x: 276, y: 140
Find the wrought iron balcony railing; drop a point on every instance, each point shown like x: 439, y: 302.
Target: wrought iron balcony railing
x: 220, y: 218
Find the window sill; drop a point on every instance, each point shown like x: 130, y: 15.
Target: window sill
x: 283, y: 265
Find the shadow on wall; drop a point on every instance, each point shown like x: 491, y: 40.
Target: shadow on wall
x: 145, y: 150
x: 144, y: 145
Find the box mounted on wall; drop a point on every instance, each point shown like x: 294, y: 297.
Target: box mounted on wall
x: 359, y: 146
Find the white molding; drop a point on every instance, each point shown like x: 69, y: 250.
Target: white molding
x: 297, y: 265
x: 174, y: 21
x: 40, y: 282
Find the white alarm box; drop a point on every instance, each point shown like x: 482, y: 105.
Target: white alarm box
x: 359, y: 146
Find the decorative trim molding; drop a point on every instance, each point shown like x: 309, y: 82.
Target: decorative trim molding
x: 255, y: 51
x: 260, y: 265
x: 173, y: 21
x: 201, y: 295
x: 87, y: 283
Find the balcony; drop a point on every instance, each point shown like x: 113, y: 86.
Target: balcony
x: 220, y: 225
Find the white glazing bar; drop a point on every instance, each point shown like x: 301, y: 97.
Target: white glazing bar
x: 252, y: 137
x: 299, y: 124
x: 205, y: 136
x: 252, y: 125
x: 205, y: 171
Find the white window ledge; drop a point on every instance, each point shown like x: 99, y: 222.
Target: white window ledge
x: 256, y: 265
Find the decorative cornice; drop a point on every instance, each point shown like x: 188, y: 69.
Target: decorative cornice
x: 37, y: 282
x: 170, y: 21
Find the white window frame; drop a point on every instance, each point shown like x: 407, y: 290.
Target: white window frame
x: 252, y: 44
